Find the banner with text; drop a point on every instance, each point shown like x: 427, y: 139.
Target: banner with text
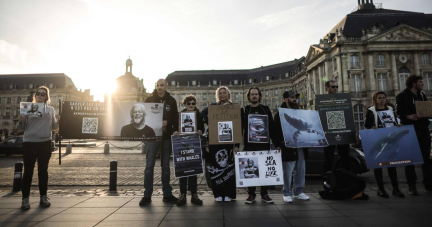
x: 224, y: 124
x: 187, y: 155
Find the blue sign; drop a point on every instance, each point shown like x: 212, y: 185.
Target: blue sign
x: 391, y: 147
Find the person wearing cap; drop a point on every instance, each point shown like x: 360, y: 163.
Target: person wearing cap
x: 343, y: 149
x: 293, y: 159
x: 254, y: 97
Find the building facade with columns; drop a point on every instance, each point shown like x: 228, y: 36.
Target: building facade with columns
x: 371, y: 49
x: 129, y: 88
x: 272, y: 80
x: 16, y: 88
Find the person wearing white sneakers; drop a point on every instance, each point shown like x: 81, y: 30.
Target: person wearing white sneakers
x: 293, y: 159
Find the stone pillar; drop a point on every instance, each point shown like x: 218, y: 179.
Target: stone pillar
x: 309, y: 93
x: 327, y: 73
x: 344, y: 74
x: 320, y: 75
x: 416, y: 64
x: 372, y: 80
x: 394, y: 74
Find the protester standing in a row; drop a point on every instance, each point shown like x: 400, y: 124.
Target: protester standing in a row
x: 254, y: 97
x: 293, y: 159
x: 379, y: 103
x: 220, y: 158
x: 170, y: 113
x: 37, y: 146
x: 406, y: 110
x: 190, y: 102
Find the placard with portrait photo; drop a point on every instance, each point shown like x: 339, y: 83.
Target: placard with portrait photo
x: 187, y: 122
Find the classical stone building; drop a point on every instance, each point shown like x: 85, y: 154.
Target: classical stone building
x: 273, y: 80
x: 371, y: 49
x: 16, y: 88
x: 129, y: 88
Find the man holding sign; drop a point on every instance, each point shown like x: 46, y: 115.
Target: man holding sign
x: 257, y: 127
x: 405, y: 108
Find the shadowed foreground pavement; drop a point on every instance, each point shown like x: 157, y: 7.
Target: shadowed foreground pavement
x: 74, y: 207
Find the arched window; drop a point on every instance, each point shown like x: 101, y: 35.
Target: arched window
x: 404, y: 73
x: 359, y: 116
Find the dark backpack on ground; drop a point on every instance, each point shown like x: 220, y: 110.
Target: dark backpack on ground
x: 341, y: 184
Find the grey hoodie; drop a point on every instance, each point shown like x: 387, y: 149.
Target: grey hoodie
x: 38, y: 129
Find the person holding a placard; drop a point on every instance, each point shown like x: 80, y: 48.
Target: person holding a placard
x: 293, y: 159
x: 170, y: 114
x: 406, y: 109
x: 37, y: 146
x: 378, y: 116
x: 220, y: 158
x: 343, y: 149
x: 190, y: 102
x: 257, y: 126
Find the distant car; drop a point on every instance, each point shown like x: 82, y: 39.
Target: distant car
x: 14, y: 145
x: 315, y: 161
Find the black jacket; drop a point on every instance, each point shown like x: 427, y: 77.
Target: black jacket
x: 170, y: 112
x: 257, y: 146
x: 405, y: 105
x: 288, y: 154
x: 199, y: 121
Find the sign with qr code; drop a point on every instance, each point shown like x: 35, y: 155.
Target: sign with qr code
x: 258, y: 168
x: 111, y: 121
x: 302, y: 128
x: 336, y: 115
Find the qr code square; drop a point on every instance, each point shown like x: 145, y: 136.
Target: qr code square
x: 277, y: 179
x: 90, y: 125
x: 241, y: 182
x: 335, y: 119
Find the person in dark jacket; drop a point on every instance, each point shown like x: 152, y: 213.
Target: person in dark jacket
x: 190, y: 105
x: 379, y: 102
x: 406, y: 110
x: 292, y: 158
x: 254, y: 97
x: 220, y: 158
x: 170, y: 113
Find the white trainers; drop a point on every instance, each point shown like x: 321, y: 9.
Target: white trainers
x: 287, y: 199
x: 227, y: 199
x: 301, y: 196
x: 25, y: 205
x: 219, y: 199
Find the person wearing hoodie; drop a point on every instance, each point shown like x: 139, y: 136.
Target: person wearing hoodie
x: 293, y: 159
x: 170, y: 115
x: 37, y: 146
x: 190, y: 102
x: 406, y: 110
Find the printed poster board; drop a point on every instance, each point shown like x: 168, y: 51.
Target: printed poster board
x: 336, y: 115
x: 111, y: 121
x: 224, y: 124
x: 424, y: 108
x: 187, y: 123
x: 187, y: 155
x: 302, y: 128
x: 387, y: 118
x: 391, y: 147
x: 258, y: 168
x: 31, y: 109
x: 258, y: 128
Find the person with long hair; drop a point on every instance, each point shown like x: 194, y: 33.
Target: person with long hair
x: 379, y: 103
x: 220, y: 158
x: 37, y: 146
x: 190, y: 103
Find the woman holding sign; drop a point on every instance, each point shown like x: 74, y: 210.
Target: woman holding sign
x: 37, y: 146
x: 220, y: 158
x: 380, y: 115
x: 196, y: 123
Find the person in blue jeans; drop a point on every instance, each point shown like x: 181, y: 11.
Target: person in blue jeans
x: 170, y: 113
x: 293, y: 159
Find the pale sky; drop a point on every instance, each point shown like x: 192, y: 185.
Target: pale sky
x: 90, y: 40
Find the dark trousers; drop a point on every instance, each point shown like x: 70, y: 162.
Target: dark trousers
x: 193, y: 184
x: 40, y: 151
x: 392, y: 174
x: 343, y: 151
x: 425, y: 147
x: 251, y: 190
